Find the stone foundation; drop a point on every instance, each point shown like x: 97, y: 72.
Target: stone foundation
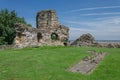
x: 89, y: 63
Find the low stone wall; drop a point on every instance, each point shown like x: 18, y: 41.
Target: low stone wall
x: 89, y: 63
x: 3, y: 47
x: 107, y: 45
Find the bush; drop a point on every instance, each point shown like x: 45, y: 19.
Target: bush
x: 7, y: 21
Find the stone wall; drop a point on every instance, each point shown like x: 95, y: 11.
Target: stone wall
x: 61, y: 33
x: 48, y: 25
x: 25, y: 36
x: 3, y: 47
x: 107, y: 44
x: 84, y: 40
x: 48, y: 32
x: 46, y: 18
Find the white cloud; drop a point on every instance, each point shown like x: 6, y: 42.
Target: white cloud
x: 94, y: 8
x: 95, y: 14
x: 106, y: 28
x: 76, y: 32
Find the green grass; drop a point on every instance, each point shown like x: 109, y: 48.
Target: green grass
x: 51, y: 63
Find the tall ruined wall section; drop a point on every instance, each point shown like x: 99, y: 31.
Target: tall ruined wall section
x: 46, y: 18
x: 48, y: 32
x: 25, y: 36
x: 49, y: 26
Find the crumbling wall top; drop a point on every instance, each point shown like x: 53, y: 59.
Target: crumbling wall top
x: 47, y: 18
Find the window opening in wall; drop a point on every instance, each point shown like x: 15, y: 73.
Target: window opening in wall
x: 54, y: 36
x: 39, y: 36
x: 42, y: 15
x: 65, y: 41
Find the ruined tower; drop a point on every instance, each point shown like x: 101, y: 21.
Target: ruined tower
x: 46, y: 18
x: 51, y: 32
x: 48, y: 32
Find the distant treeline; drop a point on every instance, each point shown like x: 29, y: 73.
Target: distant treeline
x: 7, y: 29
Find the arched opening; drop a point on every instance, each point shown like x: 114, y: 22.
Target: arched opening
x: 19, y: 35
x: 54, y: 36
x: 65, y: 41
x: 39, y: 36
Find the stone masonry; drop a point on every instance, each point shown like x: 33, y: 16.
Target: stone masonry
x: 48, y: 32
x: 84, y: 40
x: 89, y: 63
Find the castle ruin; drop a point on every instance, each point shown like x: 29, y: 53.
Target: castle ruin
x: 47, y: 32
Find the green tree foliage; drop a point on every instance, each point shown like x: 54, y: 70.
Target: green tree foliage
x: 7, y: 21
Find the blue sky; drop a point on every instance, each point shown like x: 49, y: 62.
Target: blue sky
x: 101, y: 18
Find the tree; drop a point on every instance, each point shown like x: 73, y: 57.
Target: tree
x: 7, y: 21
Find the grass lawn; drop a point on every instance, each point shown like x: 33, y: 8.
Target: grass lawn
x: 51, y: 63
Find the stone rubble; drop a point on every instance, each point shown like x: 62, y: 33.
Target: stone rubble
x: 84, y: 40
x: 88, y: 40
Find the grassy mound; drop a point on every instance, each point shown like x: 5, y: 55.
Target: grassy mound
x: 51, y: 63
